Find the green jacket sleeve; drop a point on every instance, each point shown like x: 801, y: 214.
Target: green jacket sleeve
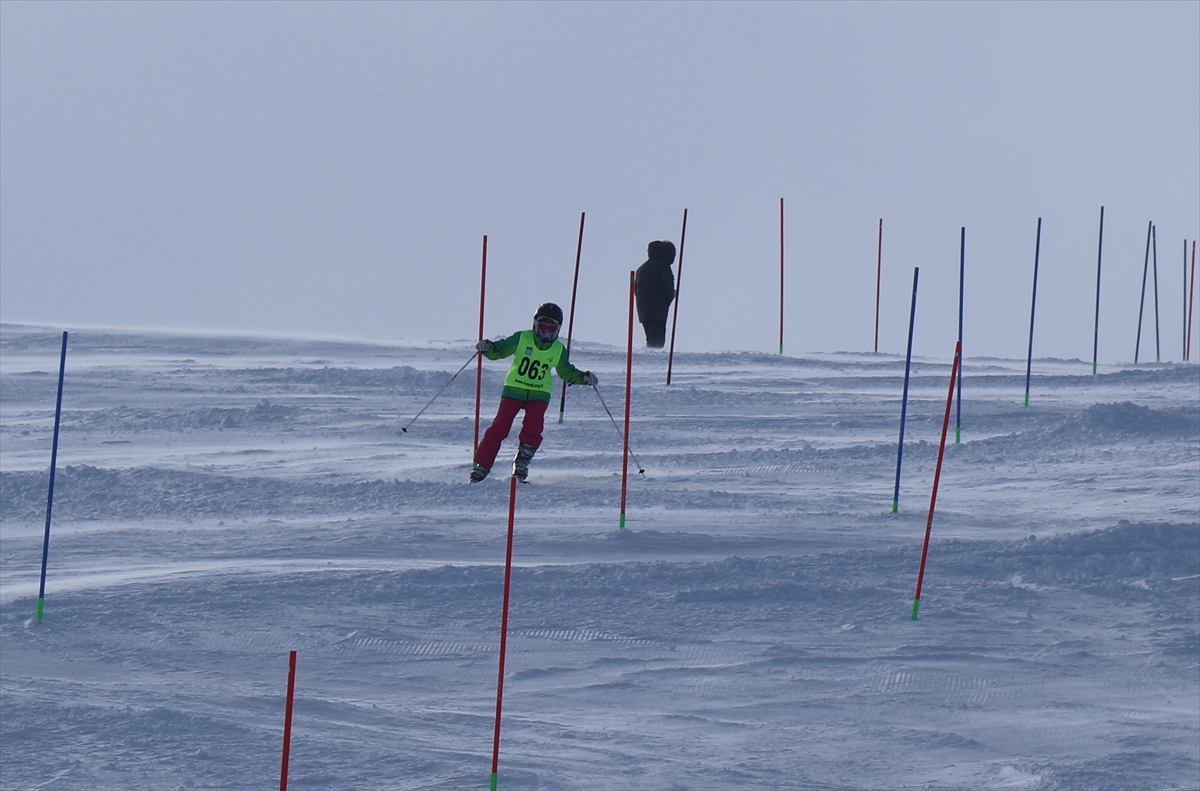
x: 504, y: 348
x: 567, y: 372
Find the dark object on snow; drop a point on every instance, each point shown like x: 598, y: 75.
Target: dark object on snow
x: 656, y: 334
x: 655, y: 288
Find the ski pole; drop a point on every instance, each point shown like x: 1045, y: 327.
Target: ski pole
x: 404, y: 429
x: 641, y: 470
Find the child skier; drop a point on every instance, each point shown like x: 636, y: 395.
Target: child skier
x: 528, y: 386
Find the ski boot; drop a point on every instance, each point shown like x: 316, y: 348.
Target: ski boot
x: 521, y: 462
x: 479, y: 472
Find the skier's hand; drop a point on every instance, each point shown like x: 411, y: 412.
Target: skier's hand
x: 484, y: 346
x: 589, y: 379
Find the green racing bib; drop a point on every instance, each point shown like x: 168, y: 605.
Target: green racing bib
x: 531, y: 366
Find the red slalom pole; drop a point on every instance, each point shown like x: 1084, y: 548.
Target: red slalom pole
x: 781, y: 275
x: 678, y: 281
x: 937, y: 474
x: 878, y: 281
x: 479, y: 366
x: 562, y: 401
x: 512, y: 509
x: 287, y: 721
x: 628, y: 391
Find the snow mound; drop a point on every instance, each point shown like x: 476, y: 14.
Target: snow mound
x: 84, y: 492
x: 400, y: 379
x: 1129, y: 417
x: 1122, y: 560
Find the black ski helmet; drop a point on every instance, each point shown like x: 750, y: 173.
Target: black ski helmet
x: 546, y: 321
x: 549, y: 310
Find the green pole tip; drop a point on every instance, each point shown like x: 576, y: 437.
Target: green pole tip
x: 916, y: 607
x: 957, y: 434
x: 41, y: 606
x: 622, y: 522
x: 1027, y: 399
x: 895, y: 506
x: 493, y: 781
x: 781, y: 348
x: 1093, y: 369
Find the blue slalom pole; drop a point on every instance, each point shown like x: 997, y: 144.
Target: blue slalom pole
x: 62, y: 367
x: 1154, y: 254
x: 1037, y: 250
x: 1096, y: 330
x: 912, y: 315
x: 1137, y: 345
x: 962, y: 261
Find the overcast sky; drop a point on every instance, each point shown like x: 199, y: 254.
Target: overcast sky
x: 331, y: 169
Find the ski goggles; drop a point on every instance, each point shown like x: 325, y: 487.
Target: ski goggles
x: 546, y: 328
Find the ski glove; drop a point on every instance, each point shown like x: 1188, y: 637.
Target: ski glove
x: 484, y: 346
x: 589, y: 379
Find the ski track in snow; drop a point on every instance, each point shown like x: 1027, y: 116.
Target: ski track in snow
x: 221, y: 501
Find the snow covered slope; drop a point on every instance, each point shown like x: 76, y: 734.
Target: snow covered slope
x: 222, y: 500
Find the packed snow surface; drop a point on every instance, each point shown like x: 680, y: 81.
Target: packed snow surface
x: 221, y: 501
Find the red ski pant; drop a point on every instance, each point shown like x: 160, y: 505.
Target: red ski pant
x: 531, y: 427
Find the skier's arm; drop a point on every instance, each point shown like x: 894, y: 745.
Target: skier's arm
x: 503, y: 348
x: 569, y: 373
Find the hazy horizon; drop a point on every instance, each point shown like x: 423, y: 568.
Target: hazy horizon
x: 329, y: 170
